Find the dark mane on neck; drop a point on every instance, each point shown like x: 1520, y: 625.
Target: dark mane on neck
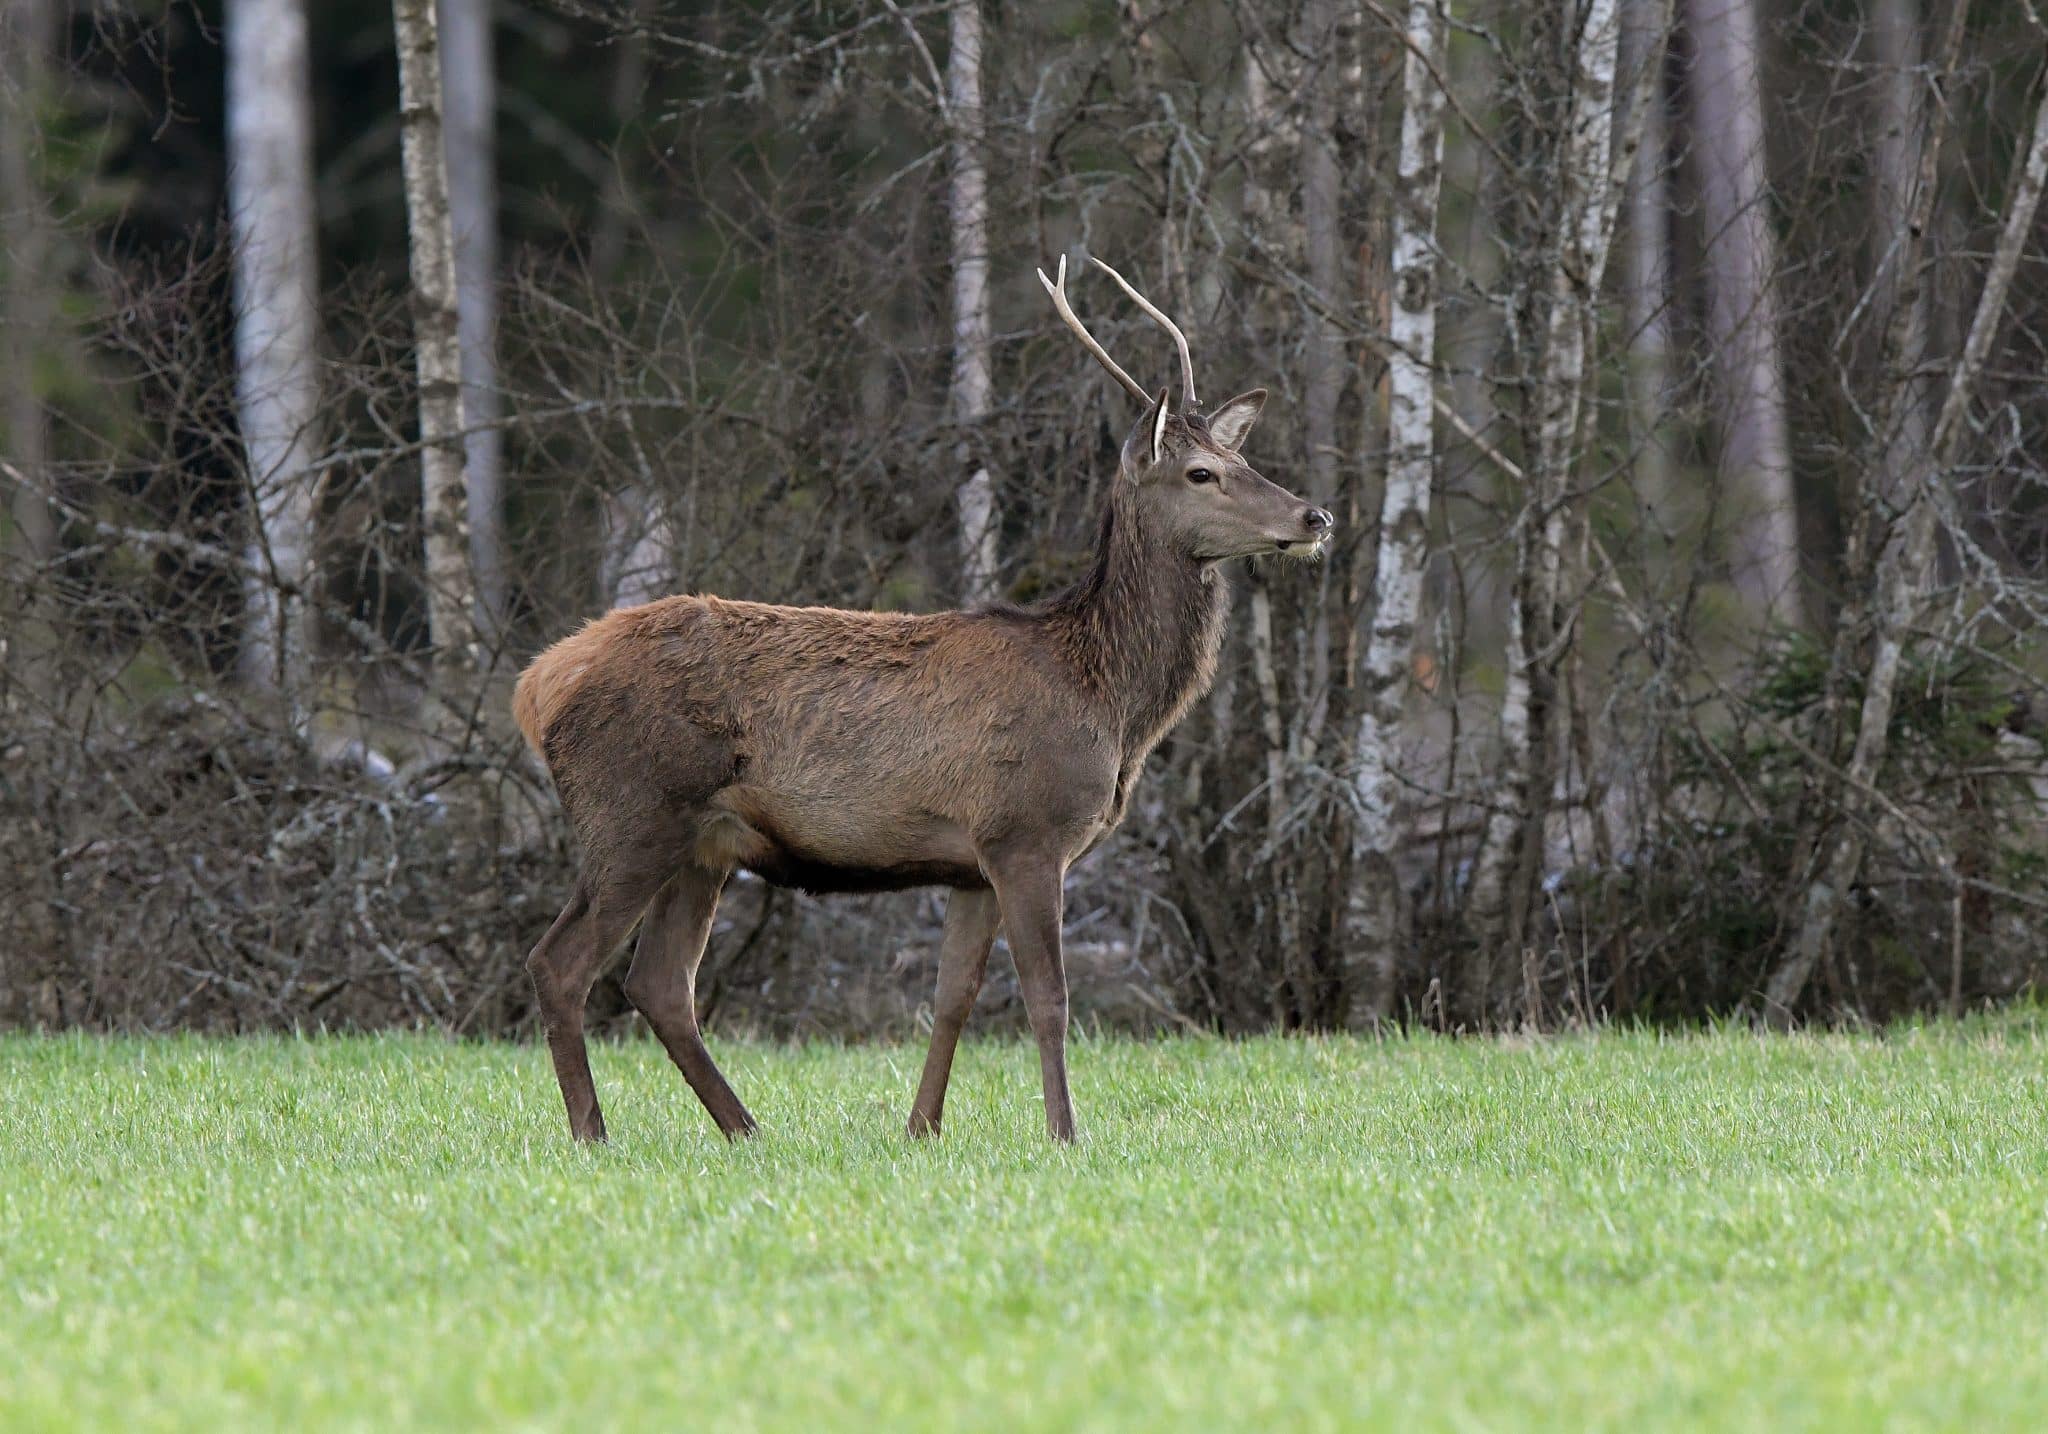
x: 1075, y: 595
x: 1094, y: 584
x: 1141, y: 626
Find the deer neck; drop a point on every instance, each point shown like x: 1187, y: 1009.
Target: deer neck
x: 1144, y: 626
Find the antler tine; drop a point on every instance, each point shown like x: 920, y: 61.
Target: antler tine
x: 1058, y: 290
x: 1180, y: 340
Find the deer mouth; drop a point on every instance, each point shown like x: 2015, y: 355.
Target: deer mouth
x: 1304, y: 548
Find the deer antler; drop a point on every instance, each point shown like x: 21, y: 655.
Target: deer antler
x: 1189, y: 402
x: 1058, y: 290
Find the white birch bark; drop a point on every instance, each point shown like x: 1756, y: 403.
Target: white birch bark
x: 1902, y: 574
x: 1587, y: 196
x: 639, y: 547
x: 469, y: 78
x: 1726, y: 94
x: 971, y: 387
x: 1404, y: 505
x: 451, y: 588
x: 272, y: 223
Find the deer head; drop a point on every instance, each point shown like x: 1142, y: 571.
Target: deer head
x: 1185, y: 471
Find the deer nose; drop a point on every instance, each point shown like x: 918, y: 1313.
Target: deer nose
x: 1317, y: 521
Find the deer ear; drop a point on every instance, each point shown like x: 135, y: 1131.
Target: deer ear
x: 1147, y: 442
x: 1229, y: 424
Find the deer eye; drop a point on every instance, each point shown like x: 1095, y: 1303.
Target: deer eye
x: 1200, y: 475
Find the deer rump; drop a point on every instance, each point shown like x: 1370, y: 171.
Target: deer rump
x: 821, y: 749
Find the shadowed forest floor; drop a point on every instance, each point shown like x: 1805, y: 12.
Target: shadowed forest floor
x: 1629, y: 1228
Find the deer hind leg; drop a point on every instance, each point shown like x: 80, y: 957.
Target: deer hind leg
x: 1029, y: 893
x: 662, y: 983
x: 563, y: 967
x: 971, y: 920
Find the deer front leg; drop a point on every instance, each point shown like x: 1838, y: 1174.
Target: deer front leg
x: 1029, y: 895
x: 971, y: 919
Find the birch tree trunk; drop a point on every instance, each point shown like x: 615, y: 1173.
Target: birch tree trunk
x: 1742, y: 305
x: 639, y: 547
x: 469, y: 76
x: 27, y: 35
x: 1590, y: 174
x: 451, y: 587
x: 1404, y: 507
x: 971, y: 387
x: 273, y: 231
x: 1903, y: 568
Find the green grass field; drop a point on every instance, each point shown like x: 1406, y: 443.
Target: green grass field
x: 1718, y: 1229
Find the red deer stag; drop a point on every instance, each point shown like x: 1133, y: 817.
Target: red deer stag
x: 868, y: 751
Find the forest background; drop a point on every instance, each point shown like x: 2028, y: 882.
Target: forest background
x: 1675, y: 373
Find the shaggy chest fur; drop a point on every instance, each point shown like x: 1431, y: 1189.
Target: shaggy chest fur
x: 1144, y: 630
